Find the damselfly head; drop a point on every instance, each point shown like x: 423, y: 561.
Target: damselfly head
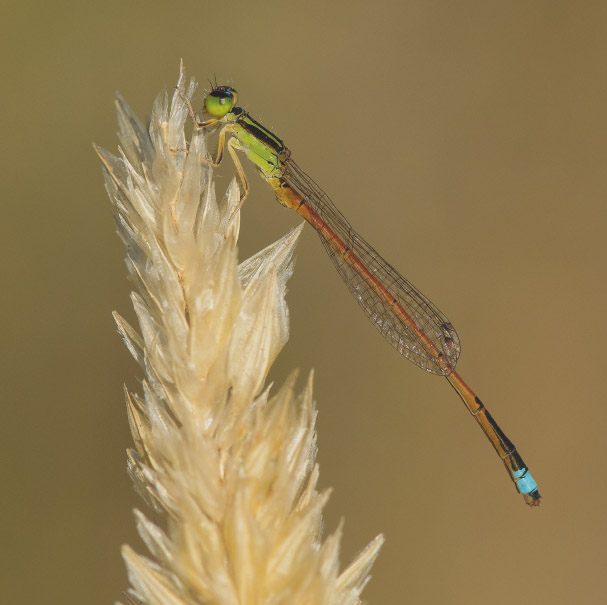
x: 220, y: 101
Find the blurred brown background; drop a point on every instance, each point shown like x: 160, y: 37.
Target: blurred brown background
x: 467, y: 141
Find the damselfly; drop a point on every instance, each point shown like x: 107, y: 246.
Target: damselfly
x: 408, y: 320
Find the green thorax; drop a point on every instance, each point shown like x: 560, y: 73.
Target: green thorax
x: 261, y: 146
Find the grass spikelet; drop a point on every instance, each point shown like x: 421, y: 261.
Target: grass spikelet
x: 227, y: 467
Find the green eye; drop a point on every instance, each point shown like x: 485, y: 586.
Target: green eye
x: 220, y: 101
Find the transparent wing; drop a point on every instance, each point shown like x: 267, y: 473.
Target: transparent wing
x: 427, y: 317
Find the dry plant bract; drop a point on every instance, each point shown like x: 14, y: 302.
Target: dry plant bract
x: 227, y: 467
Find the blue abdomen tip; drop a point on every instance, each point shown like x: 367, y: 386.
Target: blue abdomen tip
x: 525, y: 482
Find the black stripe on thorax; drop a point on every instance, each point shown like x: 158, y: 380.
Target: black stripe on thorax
x: 255, y: 129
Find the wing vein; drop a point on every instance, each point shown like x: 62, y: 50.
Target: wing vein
x: 429, y: 319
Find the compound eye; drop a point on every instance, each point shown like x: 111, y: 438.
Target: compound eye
x: 220, y: 101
